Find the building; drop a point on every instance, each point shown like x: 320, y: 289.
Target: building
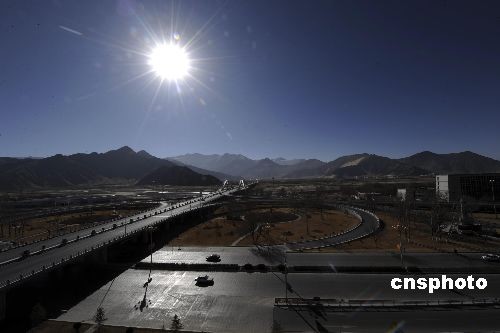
x: 470, y: 187
x: 401, y: 194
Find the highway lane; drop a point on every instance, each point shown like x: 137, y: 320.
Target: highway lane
x: 14, y: 270
x: 243, y: 302
x: 242, y: 255
x: 368, y: 225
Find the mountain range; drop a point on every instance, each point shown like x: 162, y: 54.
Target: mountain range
x: 120, y: 165
x: 349, y: 166
x: 126, y: 165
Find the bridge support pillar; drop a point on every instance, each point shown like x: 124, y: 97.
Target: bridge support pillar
x: 3, y: 305
x: 103, y: 255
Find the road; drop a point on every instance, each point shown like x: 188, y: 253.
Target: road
x: 244, y: 302
x: 13, y: 270
x: 369, y: 224
x: 242, y: 255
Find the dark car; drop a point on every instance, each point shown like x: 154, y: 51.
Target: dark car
x: 213, y: 258
x: 64, y: 241
x: 25, y: 254
x: 204, y: 281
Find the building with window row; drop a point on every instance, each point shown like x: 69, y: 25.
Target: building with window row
x: 470, y: 187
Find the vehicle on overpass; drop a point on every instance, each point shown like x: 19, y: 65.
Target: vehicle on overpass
x: 491, y: 257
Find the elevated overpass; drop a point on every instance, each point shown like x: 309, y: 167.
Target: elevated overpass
x: 21, y: 264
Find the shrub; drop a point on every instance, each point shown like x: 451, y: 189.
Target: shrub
x: 248, y: 267
x: 176, y: 324
x: 99, y: 316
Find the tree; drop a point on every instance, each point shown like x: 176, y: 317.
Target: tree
x: 176, y: 324
x: 99, y: 316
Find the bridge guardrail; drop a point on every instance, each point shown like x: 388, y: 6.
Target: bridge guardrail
x: 339, y: 303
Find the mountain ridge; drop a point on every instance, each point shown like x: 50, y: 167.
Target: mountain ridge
x: 122, y: 164
x: 126, y: 164
x: 355, y: 165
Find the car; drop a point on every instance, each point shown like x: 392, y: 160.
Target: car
x: 491, y: 257
x: 213, y: 258
x: 25, y: 254
x: 204, y: 280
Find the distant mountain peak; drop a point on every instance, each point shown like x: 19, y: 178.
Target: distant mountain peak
x: 124, y: 149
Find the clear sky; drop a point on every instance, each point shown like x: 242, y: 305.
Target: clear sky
x: 315, y: 79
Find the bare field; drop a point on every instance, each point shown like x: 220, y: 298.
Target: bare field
x: 311, y: 224
x: 222, y: 231
x: 488, y: 217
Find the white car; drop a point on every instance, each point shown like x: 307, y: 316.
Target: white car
x: 491, y: 257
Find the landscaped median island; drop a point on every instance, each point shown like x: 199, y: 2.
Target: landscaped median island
x: 269, y: 226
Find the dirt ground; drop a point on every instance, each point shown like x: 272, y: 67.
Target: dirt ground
x: 222, y: 231
x: 488, y: 217
x: 39, y: 228
x: 420, y: 236
x: 216, y: 232
x: 311, y: 224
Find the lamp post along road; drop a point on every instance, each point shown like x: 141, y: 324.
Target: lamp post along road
x: 492, y: 182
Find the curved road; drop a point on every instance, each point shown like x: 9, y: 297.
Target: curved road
x: 368, y: 225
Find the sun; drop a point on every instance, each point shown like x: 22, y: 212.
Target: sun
x: 170, y: 62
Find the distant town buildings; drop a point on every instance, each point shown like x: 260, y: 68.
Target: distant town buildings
x: 470, y: 187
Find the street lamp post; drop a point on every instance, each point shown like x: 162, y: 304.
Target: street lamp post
x: 151, y: 243
x: 492, y: 182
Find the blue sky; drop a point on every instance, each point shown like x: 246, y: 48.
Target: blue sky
x: 315, y: 79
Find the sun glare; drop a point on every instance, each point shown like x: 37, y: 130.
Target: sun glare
x: 170, y: 62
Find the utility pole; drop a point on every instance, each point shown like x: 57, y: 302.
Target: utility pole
x: 286, y: 281
x: 492, y: 182
x: 151, y: 245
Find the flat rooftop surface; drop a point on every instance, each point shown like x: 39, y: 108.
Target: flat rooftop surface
x: 244, y: 302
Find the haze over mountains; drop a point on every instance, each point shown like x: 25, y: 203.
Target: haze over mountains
x: 357, y: 165
x: 126, y: 165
